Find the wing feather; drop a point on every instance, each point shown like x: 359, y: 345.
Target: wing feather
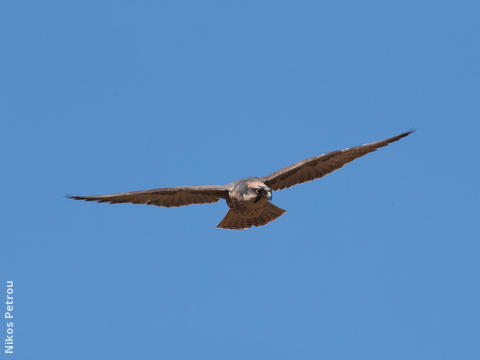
x: 168, y: 197
x: 321, y: 165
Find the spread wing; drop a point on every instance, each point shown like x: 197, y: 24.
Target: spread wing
x: 173, y: 196
x: 321, y: 165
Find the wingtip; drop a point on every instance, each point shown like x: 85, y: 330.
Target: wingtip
x: 402, y: 135
x: 74, y: 197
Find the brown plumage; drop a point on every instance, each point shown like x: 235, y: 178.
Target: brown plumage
x: 234, y: 220
x: 321, y: 165
x: 168, y: 197
x: 249, y: 198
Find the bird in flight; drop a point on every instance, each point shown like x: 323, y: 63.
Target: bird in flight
x: 248, y: 199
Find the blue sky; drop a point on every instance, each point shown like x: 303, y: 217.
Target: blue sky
x: 379, y: 260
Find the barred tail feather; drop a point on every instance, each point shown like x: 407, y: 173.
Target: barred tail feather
x: 235, y: 220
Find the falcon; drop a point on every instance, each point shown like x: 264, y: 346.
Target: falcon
x: 248, y: 199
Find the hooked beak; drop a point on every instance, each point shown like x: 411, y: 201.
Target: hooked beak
x: 268, y: 195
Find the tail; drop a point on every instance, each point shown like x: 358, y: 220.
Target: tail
x: 235, y: 220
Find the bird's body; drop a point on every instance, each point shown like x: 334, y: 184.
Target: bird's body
x: 249, y: 203
x: 242, y: 200
x: 248, y: 199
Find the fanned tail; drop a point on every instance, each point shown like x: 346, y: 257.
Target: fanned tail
x: 235, y: 220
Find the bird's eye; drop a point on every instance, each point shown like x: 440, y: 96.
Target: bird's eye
x: 257, y: 190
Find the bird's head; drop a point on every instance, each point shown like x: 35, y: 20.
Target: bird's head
x: 262, y: 192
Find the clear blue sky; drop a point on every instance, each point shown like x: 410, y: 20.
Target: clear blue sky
x: 379, y: 260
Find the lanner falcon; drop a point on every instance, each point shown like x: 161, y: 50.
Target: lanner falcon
x: 248, y: 198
